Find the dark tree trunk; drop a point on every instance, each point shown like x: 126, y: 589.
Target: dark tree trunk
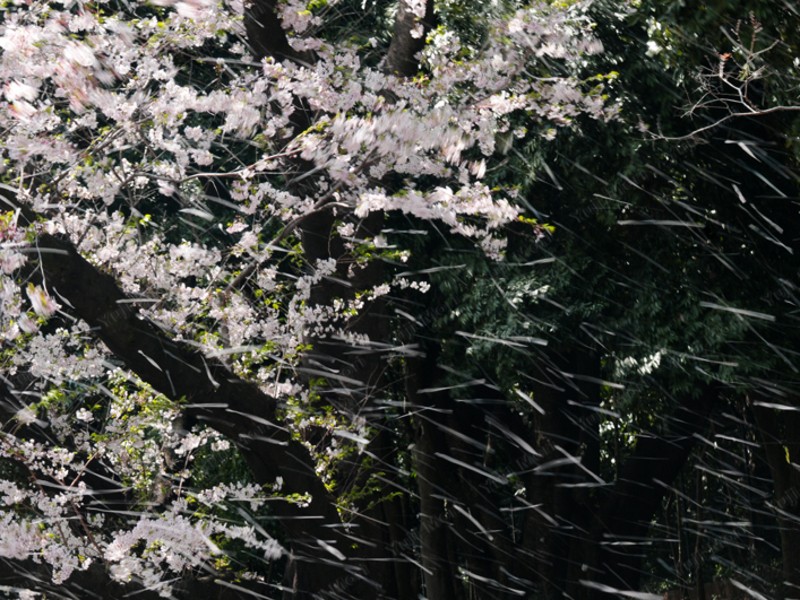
x: 780, y: 438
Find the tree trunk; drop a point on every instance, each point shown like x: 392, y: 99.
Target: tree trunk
x: 439, y: 574
x: 780, y: 438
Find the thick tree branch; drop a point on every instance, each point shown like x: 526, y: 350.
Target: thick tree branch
x: 266, y: 35
x: 235, y: 408
x: 408, y: 39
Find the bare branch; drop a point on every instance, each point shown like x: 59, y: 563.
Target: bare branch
x: 728, y: 117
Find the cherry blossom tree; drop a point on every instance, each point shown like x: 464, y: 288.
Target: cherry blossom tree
x: 207, y: 244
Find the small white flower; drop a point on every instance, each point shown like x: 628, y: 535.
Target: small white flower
x: 27, y: 325
x: 26, y: 416
x: 42, y: 304
x: 653, y: 48
x: 236, y: 227
x: 220, y: 445
x: 81, y: 54
x: 22, y: 109
x: 20, y: 91
x: 84, y: 415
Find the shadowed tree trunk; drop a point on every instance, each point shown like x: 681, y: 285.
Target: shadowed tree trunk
x: 780, y: 438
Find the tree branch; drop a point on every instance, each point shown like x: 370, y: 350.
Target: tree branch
x: 235, y: 408
x: 408, y: 39
x: 266, y: 34
x: 754, y: 113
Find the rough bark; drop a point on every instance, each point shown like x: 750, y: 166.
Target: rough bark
x: 266, y: 35
x: 401, y: 58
